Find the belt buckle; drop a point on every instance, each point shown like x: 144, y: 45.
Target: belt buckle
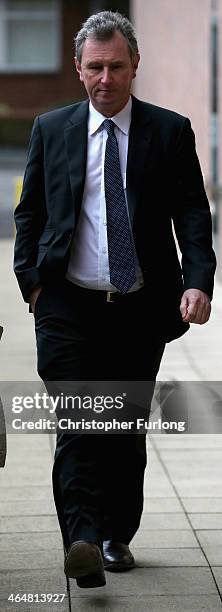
x: 109, y: 295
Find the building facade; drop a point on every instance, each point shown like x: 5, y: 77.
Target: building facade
x: 36, y: 61
x: 181, y: 47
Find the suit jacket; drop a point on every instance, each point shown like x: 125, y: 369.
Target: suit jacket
x: 164, y: 184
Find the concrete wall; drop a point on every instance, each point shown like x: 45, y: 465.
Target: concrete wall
x: 219, y: 205
x: 220, y: 89
x: 174, y: 38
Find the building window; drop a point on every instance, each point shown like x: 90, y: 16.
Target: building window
x: 30, y: 35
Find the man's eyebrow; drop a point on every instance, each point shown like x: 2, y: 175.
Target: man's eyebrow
x: 94, y: 63
x: 100, y: 63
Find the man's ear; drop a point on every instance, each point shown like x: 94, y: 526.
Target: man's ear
x: 136, y: 60
x: 79, y: 69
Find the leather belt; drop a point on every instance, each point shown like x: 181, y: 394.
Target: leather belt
x: 110, y: 296
x: 104, y: 296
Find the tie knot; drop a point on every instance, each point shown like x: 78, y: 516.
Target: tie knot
x: 109, y: 126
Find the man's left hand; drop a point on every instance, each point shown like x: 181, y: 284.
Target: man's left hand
x: 195, y: 306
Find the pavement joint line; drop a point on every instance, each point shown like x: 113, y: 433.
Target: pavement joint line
x: 187, y: 516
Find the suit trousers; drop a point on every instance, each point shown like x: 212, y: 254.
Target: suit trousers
x: 97, y: 478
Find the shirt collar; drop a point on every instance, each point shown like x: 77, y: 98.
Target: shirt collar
x: 121, y: 119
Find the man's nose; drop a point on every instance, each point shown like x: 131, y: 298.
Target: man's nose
x: 106, y: 76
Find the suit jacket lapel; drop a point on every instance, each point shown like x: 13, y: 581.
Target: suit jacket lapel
x: 139, y: 152
x: 75, y: 135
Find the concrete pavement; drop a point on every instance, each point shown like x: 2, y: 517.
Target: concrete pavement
x: 179, y: 545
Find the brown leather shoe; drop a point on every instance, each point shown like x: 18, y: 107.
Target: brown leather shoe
x: 117, y: 556
x: 85, y: 563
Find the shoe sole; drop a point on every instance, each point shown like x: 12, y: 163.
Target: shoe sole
x: 85, y: 564
x: 118, y: 567
x: 91, y: 581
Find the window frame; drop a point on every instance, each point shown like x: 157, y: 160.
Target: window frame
x: 52, y: 15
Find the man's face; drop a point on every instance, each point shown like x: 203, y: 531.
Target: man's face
x: 107, y: 70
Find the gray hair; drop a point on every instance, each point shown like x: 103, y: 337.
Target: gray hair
x: 102, y: 26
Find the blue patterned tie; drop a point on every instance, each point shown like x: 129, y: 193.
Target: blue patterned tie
x: 120, y: 240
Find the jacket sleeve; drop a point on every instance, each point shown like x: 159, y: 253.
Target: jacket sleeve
x: 30, y: 216
x: 191, y: 216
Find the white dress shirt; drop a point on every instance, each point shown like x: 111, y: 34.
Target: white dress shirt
x: 89, y: 261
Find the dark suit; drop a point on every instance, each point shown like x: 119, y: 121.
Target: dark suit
x: 164, y: 182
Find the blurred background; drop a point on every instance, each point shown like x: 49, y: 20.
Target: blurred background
x: 180, y: 47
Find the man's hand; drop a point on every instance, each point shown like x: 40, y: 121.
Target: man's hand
x: 33, y: 297
x: 195, y: 306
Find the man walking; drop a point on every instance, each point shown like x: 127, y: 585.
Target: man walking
x: 95, y: 258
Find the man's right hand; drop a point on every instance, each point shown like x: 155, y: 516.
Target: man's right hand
x: 33, y: 297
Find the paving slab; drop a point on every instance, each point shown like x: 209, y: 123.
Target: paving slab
x: 24, y: 542
x: 23, y: 469
x: 36, y: 457
x: 53, y: 558
x: 206, y: 521
x: 166, y: 603
x: 47, y: 607
x: 164, y: 521
x: 201, y: 488
x: 210, y: 537
x: 211, y: 543
x: 213, y: 555
x: 155, y: 470
x: 21, y: 441
x: 147, y: 538
x: 158, y: 488
x: 37, y: 581
x: 217, y: 572
x: 200, y: 455
x: 28, y: 524
x: 37, y: 476
x: 34, y: 492
x: 167, y: 557
x: 164, y: 504
x: 195, y: 504
x: 44, y: 559
x: 194, y: 470
x: 158, y: 581
x: 190, y: 441
x: 37, y: 507
x: 25, y: 445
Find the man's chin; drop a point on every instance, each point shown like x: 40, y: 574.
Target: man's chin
x: 107, y: 104
x: 106, y: 98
